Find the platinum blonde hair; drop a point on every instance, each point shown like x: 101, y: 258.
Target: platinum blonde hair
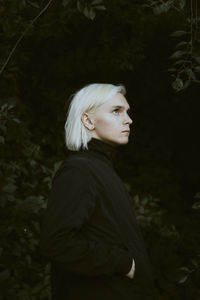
x: 87, y: 99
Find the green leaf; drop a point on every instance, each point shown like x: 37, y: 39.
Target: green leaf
x: 197, y: 195
x: 9, y: 188
x: 181, y: 61
x: 80, y: 6
x: 92, y: 14
x: 162, y: 8
x: 2, y: 140
x: 6, y: 107
x: 185, y: 269
x: 47, y: 268
x: 182, y: 3
x: 178, y: 84
x: 65, y: 2
x: 171, y: 70
x: 32, y: 163
x: 37, y: 288
x: 183, y: 279
x: 197, y: 58
x: 33, y: 4
x: 96, y: 2
x: 178, y: 54
x: 136, y: 199
x: 183, y: 43
x: 100, y: 7
x: 89, y: 13
x: 86, y: 12
x: 144, y: 201
x: 197, y: 69
x: 195, y: 263
x: 190, y: 74
x: 16, y: 120
x: 22, y: 4
x: 57, y: 166
x: 186, y: 84
x: 179, y: 33
x: 196, y: 205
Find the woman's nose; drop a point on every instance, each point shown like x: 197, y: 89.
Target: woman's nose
x: 128, y: 120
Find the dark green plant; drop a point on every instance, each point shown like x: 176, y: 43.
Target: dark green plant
x: 192, y: 270
x: 12, y: 26
x: 167, y: 249
x: 23, y: 190
x: 186, y: 65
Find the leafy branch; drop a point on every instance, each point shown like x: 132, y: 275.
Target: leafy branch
x: 186, y: 66
x: 194, y: 262
x: 187, y: 57
x: 23, y: 35
x: 88, y: 9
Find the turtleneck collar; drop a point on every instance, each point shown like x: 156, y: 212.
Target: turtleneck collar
x: 101, y: 149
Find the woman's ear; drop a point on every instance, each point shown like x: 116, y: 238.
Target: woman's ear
x: 87, y: 121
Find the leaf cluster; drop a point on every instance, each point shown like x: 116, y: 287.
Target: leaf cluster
x: 23, y: 187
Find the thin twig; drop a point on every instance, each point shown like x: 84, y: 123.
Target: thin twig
x: 196, y: 16
x: 191, y: 26
x: 23, y: 35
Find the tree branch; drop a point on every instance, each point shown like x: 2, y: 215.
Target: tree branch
x: 23, y: 35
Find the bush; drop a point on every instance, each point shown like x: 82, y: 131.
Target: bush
x: 24, y: 186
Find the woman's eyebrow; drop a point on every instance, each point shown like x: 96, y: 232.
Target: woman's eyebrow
x: 120, y: 106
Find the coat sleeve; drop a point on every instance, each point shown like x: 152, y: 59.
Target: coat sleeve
x: 70, y: 206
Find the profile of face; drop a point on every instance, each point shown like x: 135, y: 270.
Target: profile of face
x: 110, y: 122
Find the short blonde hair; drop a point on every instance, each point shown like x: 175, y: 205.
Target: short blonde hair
x: 87, y: 99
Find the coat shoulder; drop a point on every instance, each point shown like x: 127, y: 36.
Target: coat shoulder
x: 76, y: 162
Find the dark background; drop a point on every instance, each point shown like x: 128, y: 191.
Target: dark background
x: 74, y: 43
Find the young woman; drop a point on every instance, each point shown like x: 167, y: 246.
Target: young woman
x: 89, y: 231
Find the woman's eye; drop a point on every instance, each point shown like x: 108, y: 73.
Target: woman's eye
x: 116, y: 111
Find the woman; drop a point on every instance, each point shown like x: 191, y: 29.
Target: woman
x: 89, y: 232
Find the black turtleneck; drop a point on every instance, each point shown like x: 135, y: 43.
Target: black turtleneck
x: 99, y: 148
x: 89, y: 231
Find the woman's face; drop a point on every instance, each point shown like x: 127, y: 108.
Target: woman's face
x: 111, y: 122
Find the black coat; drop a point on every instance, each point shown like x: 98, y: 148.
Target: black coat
x: 90, y: 234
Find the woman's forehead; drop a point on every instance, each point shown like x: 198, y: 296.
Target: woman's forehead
x: 118, y: 101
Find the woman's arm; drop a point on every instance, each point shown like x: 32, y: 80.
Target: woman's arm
x: 70, y: 206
